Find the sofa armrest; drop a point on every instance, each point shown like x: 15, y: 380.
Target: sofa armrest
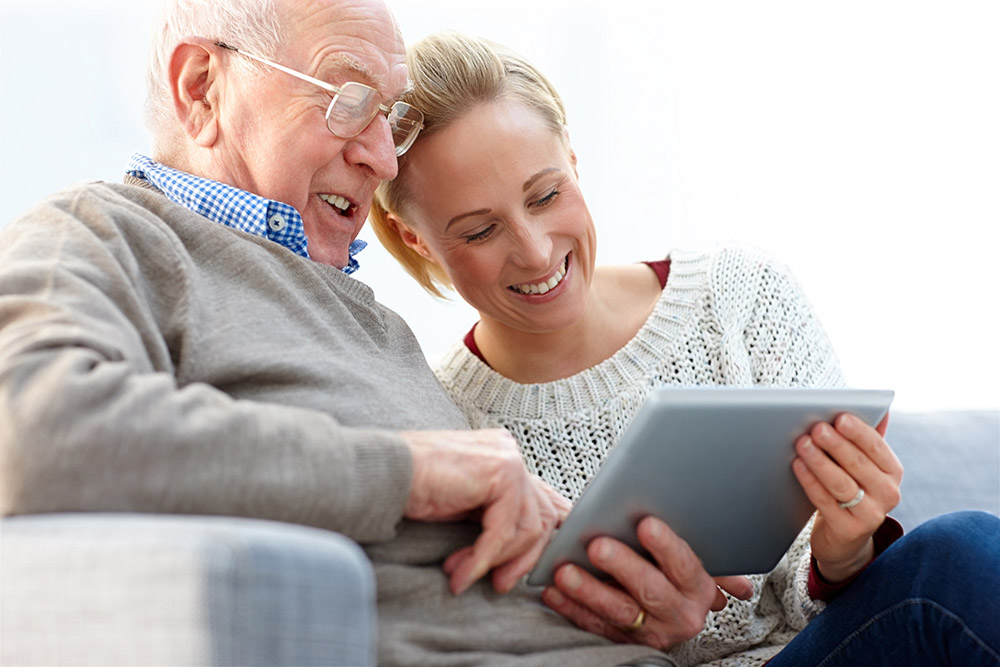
x: 131, y: 589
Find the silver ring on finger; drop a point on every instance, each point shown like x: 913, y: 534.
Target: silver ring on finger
x: 853, y: 501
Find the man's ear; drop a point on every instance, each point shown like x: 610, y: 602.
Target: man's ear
x: 193, y: 69
x: 409, y: 237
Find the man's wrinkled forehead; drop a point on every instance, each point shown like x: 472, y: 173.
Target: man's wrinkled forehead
x: 356, y: 40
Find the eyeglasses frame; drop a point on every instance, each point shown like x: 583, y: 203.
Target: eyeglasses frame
x: 329, y: 87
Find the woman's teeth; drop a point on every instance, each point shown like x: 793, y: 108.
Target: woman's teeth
x: 542, y: 288
x: 337, y: 201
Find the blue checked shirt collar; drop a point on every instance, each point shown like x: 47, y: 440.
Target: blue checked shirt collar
x: 232, y: 207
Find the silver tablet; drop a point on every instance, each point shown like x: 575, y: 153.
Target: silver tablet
x: 714, y: 463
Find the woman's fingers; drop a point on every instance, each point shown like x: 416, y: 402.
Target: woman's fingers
x: 739, y: 587
x: 871, y: 442
x: 852, y: 477
x: 849, y: 457
x: 815, y: 490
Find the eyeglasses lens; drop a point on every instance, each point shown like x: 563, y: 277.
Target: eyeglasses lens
x: 352, y: 109
x: 355, y: 106
x: 405, y: 122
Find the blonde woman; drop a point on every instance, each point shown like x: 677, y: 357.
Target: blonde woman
x: 487, y: 202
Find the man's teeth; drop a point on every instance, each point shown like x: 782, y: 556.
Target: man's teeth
x: 336, y: 200
x: 542, y: 288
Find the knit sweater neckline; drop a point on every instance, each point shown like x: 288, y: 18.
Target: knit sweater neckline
x: 493, y: 392
x: 347, y: 285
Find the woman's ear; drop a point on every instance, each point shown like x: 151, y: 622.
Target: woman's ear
x: 569, y: 147
x: 409, y: 237
x: 193, y: 69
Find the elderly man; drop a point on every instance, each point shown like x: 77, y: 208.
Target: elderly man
x: 189, y: 341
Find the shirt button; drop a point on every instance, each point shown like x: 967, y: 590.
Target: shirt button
x: 276, y: 223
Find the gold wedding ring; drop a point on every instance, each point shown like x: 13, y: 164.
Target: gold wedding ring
x: 637, y: 623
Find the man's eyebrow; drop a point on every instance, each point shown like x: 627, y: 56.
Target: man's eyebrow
x: 531, y: 181
x: 482, y: 211
x: 345, y: 65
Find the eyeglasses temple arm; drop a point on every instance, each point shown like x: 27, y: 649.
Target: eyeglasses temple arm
x: 287, y: 70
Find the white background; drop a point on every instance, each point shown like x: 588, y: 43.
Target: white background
x: 858, y: 141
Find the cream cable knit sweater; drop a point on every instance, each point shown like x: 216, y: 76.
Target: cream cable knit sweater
x: 730, y: 317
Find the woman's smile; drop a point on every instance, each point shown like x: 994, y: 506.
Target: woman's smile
x: 505, y: 218
x: 544, y: 286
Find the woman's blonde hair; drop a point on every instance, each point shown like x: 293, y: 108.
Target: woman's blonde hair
x: 452, y: 73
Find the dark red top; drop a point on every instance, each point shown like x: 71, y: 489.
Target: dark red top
x: 661, y: 267
x: 887, y: 533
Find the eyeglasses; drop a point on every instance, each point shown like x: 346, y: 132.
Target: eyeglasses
x: 355, y: 105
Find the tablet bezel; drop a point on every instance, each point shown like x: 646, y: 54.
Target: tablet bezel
x: 738, y: 439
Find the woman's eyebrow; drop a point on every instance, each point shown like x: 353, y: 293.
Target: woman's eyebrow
x: 482, y: 211
x: 531, y: 181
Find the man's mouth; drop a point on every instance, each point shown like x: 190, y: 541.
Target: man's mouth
x: 340, y: 203
x: 543, y: 287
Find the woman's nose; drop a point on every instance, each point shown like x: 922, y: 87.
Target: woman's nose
x: 532, y: 246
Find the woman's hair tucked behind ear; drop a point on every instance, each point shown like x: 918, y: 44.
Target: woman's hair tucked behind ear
x: 453, y: 73
x: 251, y: 25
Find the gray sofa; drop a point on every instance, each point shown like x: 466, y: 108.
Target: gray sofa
x: 129, y: 589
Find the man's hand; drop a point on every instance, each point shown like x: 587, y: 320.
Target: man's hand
x: 852, y: 477
x: 674, y: 596
x: 461, y: 474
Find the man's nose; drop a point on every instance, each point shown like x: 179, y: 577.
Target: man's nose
x: 375, y: 149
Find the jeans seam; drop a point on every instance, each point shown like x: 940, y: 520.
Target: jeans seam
x: 915, y: 601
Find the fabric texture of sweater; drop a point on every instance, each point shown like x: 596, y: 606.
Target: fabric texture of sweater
x: 733, y: 317
x: 154, y: 361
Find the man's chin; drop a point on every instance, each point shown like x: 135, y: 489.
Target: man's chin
x: 328, y: 244
x: 323, y: 254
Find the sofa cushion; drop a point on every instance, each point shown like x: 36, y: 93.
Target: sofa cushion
x: 951, y: 461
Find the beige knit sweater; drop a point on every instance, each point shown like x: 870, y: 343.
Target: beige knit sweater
x: 730, y: 317
x: 154, y: 361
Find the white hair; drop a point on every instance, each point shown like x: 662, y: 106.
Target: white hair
x: 250, y: 25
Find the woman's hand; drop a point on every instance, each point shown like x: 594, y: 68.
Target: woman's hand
x: 658, y: 605
x: 852, y: 477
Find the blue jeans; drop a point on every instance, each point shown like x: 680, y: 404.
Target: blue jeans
x: 933, y: 598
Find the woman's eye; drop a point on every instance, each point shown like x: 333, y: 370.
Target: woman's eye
x: 480, y: 236
x: 546, y: 200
